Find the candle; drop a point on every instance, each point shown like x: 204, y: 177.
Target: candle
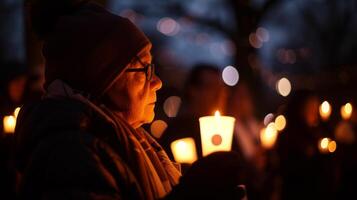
x: 9, y: 123
x: 216, y: 133
x: 184, y: 150
x: 325, y: 110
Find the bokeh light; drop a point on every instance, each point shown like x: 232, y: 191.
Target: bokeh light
x: 268, y: 118
x: 332, y: 146
x: 255, y: 41
x: 263, y: 34
x: 283, y: 87
x: 325, y: 110
x: 168, y: 26
x: 172, y: 106
x: 346, y: 111
x: 184, y: 150
x: 326, y: 145
x: 280, y: 122
x: 230, y: 75
x: 157, y: 128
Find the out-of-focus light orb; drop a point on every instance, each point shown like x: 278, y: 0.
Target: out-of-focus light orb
x: 157, y: 128
x: 280, y: 122
x: 16, y: 112
x: 230, y: 75
x: 324, y: 143
x: 332, y: 146
x: 172, y: 106
x: 184, y: 150
x: 9, y: 124
x: 168, y: 26
x: 346, y: 111
x: 283, y: 87
x: 263, y: 34
x: 325, y: 110
x: 255, y: 41
x: 268, y: 136
x: 268, y: 118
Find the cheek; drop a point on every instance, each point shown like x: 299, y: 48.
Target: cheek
x: 138, y: 99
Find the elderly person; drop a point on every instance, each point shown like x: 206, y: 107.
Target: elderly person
x: 83, y: 139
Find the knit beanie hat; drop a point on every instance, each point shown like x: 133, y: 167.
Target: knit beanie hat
x: 85, y: 45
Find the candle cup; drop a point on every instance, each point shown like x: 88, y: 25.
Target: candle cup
x: 9, y: 123
x: 184, y: 150
x: 216, y: 133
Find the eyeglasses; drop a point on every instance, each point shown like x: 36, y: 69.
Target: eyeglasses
x: 149, y: 69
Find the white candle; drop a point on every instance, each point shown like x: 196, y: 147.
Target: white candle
x: 9, y: 123
x: 216, y: 133
x: 184, y: 150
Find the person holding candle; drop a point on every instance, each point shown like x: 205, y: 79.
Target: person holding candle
x: 83, y: 139
x: 204, y: 93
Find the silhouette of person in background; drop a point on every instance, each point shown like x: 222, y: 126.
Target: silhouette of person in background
x: 246, y: 139
x: 305, y: 172
x: 204, y: 93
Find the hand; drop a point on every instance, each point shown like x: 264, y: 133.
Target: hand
x: 215, y: 176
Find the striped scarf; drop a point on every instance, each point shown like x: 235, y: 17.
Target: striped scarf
x: 154, y: 170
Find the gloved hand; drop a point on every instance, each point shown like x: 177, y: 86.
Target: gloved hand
x: 215, y: 176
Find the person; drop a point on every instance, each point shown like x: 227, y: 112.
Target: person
x: 84, y: 136
x: 203, y: 81
x: 83, y: 139
x: 247, y: 139
x: 305, y: 172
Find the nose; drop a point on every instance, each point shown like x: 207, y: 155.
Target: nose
x: 156, y: 83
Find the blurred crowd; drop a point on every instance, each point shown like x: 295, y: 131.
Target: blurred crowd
x: 303, y: 150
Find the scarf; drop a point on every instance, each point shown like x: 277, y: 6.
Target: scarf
x: 155, y: 172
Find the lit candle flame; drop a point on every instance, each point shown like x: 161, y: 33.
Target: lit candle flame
x: 16, y: 112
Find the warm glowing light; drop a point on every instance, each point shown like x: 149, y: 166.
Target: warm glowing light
x: 325, y: 110
x: 255, y: 41
x: 184, y: 150
x: 230, y: 75
x: 332, y: 146
x: 268, y: 136
x: 168, y: 26
x: 283, y: 87
x: 268, y: 118
x: 9, y: 123
x: 157, y: 128
x: 346, y: 111
x: 280, y: 122
x: 326, y: 145
x: 172, y: 105
x: 16, y: 112
x: 216, y: 133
